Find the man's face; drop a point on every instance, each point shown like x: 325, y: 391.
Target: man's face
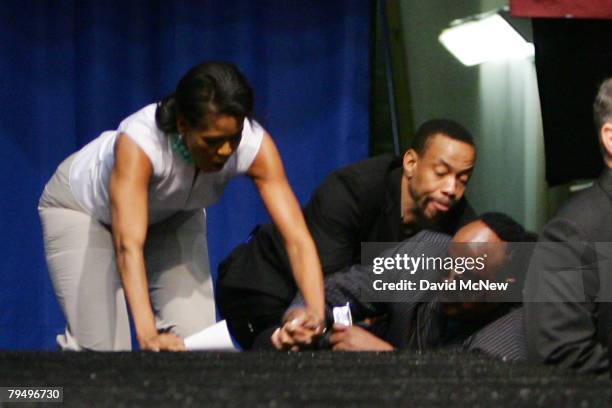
x: 474, y: 240
x: 606, y: 143
x: 437, y: 178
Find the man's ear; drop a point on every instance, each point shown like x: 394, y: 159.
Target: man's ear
x: 606, y: 139
x: 411, y: 160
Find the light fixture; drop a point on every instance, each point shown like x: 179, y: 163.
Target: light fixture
x: 485, y: 37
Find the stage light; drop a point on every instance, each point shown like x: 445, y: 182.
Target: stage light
x: 485, y: 37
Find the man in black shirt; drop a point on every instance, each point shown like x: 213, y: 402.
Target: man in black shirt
x: 381, y: 199
x: 569, y: 284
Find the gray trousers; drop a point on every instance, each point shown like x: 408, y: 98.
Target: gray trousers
x: 83, y: 269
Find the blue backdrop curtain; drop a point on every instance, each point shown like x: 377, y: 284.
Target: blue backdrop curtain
x: 71, y: 69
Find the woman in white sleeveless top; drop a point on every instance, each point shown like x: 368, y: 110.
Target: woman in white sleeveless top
x: 123, y: 217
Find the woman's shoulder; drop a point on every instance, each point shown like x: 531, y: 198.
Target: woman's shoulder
x: 252, y: 135
x: 141, y: 128
x: 250, y: 143
x: 142, y: 124
x: 145, y: 116
x: 253, y: 129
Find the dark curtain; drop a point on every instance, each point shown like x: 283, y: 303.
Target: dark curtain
x: 573, y: 57
x: 71, y: 69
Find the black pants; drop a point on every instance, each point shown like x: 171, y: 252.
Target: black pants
x: 248, y: 313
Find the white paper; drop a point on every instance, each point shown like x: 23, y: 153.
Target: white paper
x: 342, y: 315
x: 215, y: 337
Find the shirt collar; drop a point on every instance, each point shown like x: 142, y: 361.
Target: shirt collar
x: 605, y: 181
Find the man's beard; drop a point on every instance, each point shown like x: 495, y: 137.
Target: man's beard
x: 422, y: 218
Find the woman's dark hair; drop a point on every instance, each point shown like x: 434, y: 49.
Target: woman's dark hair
x: 206, y: 90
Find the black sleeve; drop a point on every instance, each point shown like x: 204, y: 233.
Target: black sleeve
x: 333, y: 216
x: 560, y: 293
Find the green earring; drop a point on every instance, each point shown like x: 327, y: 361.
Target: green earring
x: 180, y: 148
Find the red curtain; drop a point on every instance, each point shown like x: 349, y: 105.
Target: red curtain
x: 600, y: 9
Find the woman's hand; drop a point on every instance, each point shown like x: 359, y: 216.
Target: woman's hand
x: 300, y: 328
x: 162, y: 342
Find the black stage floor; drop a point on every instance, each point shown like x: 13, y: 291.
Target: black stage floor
x: 268, y: 379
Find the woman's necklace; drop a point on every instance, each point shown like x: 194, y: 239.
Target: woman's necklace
x: 180, y: 148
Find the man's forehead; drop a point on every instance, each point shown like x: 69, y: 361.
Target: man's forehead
x: 443, y: 147
x: 458, y: 166
x: 476, y: 231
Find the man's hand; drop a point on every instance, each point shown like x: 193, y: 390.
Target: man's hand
x: 299, y: 329
x: 354, y: 338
